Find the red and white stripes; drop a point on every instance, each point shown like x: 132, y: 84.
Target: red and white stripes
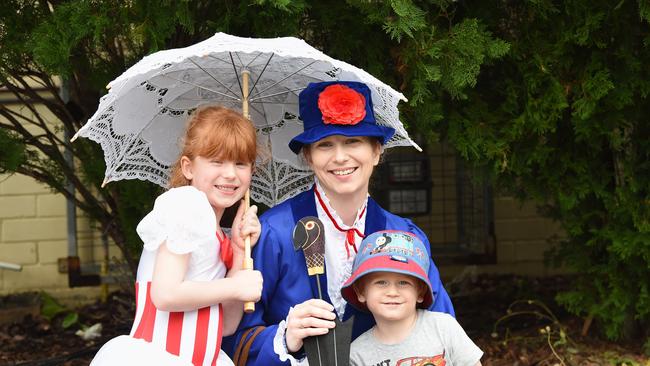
x: 192, y: 335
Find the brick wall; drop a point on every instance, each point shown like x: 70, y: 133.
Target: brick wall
x: 522, y: 238
x: 33, y: 233
x: 522, y: 235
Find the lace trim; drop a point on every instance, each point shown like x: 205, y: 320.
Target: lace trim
x: 280, y: 346
x: 140, y: 120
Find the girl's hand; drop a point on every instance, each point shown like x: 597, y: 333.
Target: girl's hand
x: 248, y: 285
x: 311, y: 318
x: 245, y: 224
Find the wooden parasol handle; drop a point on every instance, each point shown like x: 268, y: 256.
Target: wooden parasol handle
x: 249, y: 306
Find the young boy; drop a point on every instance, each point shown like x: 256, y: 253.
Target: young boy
x: 389, y: 279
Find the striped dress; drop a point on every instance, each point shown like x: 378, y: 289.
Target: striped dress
x: 183, y: 219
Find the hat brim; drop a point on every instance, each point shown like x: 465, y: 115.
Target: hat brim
x: 385, y: 264
x: 383, y: 133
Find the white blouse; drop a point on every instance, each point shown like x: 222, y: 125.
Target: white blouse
x: 184, y: 220
x: 338, y: 260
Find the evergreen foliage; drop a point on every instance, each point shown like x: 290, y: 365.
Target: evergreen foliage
x: 563, y: 120
x: 84, y: 44
x: 548, y: 96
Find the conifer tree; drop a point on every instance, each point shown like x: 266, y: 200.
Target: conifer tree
x: 548, y: 97
x: 82, y: 45
x: 562, y: 119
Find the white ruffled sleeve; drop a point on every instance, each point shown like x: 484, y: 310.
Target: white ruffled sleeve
x: 182, y: 218
x: 280, y: 345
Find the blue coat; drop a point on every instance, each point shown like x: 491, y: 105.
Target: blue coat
x: 287, y: 284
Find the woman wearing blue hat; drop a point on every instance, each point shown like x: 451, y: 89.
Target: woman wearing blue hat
x: 342, y: 143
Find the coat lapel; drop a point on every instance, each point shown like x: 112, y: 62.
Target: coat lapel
x: 375, y: 221
x: 305, y: 205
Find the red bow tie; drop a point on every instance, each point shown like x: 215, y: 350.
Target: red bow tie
x: 226, y: 250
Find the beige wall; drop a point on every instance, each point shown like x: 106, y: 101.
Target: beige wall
x: 33, y: 234
x: 522, y: 235
x: 522, y: 238
x: 33, y: 228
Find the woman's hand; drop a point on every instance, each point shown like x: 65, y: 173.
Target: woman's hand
x: 245, y: 224
x: 311, y: 318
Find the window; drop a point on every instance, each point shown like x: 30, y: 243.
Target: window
x: 402, y: 183
x: 408, y: 201
x: 437, y: 191
x: 406, y: 171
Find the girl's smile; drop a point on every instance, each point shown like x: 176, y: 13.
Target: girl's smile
x: 223, y: 181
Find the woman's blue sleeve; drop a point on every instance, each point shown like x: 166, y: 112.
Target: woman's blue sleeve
x: 269, y: 311
x: 441, y: 300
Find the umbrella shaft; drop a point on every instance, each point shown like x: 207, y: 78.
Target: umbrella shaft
x: 245, y: 76
x: 320, y: 292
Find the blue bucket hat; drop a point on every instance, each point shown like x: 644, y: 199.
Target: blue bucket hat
x: 389, y: 251
x: 337, y: 108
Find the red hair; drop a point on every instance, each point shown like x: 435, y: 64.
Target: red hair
x: 215, y: 132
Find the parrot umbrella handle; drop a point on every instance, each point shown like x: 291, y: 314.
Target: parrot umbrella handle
x: 332, y: 348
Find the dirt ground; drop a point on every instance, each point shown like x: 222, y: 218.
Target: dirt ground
x: 514, y: 320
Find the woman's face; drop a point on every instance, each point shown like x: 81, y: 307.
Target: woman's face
x: 343, y: 164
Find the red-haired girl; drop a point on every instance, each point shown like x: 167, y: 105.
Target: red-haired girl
x: 190, y: 287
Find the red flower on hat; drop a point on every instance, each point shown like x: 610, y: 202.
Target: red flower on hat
x: 341, y: 105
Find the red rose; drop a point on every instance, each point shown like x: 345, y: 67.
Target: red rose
x: 341, y: 105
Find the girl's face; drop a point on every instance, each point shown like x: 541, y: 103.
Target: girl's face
x: 343, y: 164
x: 224, y: 181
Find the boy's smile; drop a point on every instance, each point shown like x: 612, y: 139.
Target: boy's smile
x: 391, y: 297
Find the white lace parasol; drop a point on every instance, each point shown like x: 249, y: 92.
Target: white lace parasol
x: 140, y: 121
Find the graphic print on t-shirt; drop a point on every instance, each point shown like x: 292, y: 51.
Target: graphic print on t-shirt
x: 438, y: 360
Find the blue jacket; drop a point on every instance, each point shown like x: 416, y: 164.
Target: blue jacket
x: 287, y: 284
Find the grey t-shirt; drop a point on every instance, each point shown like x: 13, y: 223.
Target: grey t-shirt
x: 436, y: 336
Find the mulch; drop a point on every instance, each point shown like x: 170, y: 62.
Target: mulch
x: 514, y: 320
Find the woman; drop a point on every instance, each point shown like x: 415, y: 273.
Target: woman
x: 342, y: 143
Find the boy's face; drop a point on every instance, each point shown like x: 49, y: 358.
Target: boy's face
x: 390, y: 296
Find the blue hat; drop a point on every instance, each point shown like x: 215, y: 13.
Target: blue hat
x: 337, y: 108
x: 389, y: 251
